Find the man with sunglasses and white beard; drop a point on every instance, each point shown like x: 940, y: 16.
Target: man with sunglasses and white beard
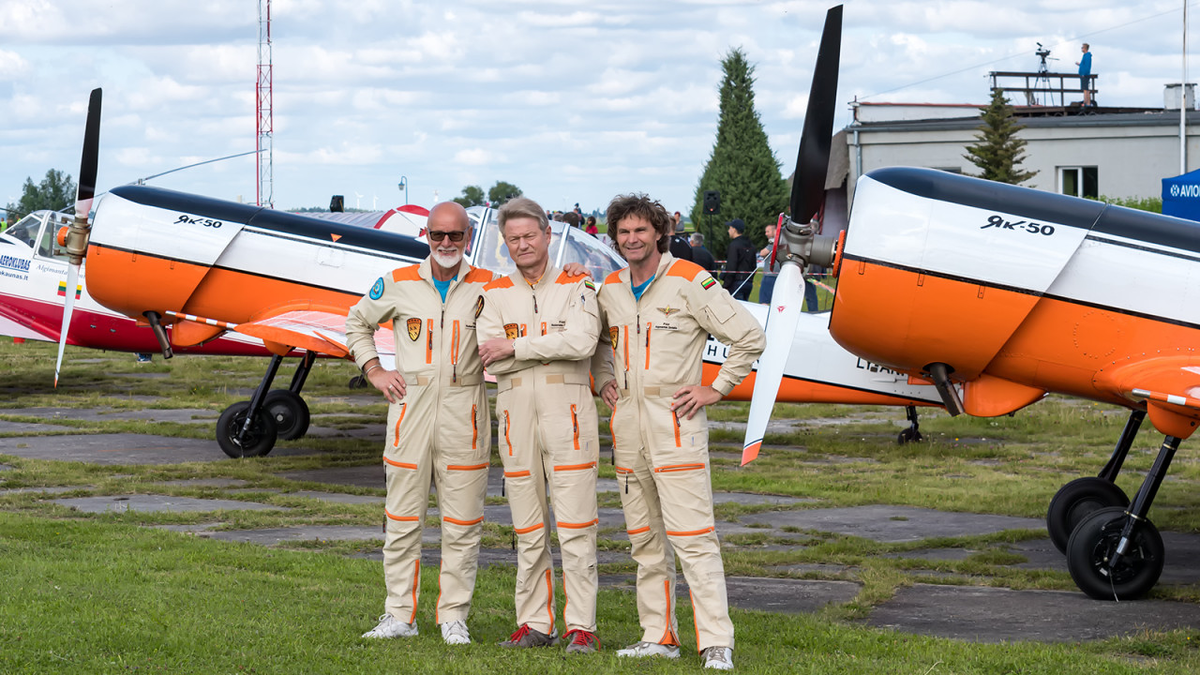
x: 438, y: 425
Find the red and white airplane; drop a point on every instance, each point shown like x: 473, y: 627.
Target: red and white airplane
x: 999, y: 294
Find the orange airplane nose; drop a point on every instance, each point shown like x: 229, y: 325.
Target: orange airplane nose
x: 61, y: 236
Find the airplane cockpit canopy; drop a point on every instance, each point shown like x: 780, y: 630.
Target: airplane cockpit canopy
x: 567, y: 244
x: 26, y: 231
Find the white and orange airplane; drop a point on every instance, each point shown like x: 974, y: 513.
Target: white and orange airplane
x: 205, y: 268
x: 999, y: 294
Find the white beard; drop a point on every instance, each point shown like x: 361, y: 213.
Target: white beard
x: 448, y: 259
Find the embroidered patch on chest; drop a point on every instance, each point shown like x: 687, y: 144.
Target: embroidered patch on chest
x: 414, y: 329
x: 377, y: 289
x: 511, y: 331
x: 668, y: 310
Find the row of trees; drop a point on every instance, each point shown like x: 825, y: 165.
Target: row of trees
x: 56, y: 192
x: 502, y: 191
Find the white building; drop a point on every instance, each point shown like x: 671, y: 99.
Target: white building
x: 1114, y: 152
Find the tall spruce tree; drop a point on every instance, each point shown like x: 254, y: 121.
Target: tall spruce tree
x: 999, y: 151
x: 741, y: 167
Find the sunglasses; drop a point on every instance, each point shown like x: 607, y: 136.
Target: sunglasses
x: 438, y: 236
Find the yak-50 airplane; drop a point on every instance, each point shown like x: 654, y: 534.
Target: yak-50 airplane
x: 999, y: 294
x: 206, y: 268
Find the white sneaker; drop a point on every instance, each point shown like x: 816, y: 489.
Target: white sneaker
x: 650, y: 649
x: 455, y: 633
x: 718, y: 658
x: 390, y: 627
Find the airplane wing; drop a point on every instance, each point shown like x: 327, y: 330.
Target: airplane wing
x: 1169, y: 386
x: 314, y: 329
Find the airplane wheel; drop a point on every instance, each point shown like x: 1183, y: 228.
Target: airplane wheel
x: 909, y: 435
x: 357, y: 382
x: 290, y: 413
x: 1074, y: 501
x: 1092, y: 545
x: 260, y: 438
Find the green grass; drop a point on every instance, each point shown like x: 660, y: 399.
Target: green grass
x: 114, y: 598
x: 110, y: 593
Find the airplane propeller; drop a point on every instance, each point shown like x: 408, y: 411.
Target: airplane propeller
x: 797, y: 233
x: 77, y: 236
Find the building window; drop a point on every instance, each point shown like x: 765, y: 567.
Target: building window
x: 1079, y: 181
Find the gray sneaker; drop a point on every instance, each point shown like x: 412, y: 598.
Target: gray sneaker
x: 390, y: 627
x: 718, y: 658
x: 528, y: 637
x: 581, y: 642
x: 643, y: 649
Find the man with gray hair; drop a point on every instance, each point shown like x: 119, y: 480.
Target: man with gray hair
x: 537, y: 330
x: 700, y: 255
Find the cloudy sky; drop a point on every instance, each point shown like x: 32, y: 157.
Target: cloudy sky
x: 571, y: 101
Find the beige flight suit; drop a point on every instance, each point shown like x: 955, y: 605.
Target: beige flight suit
x: 654, y: 348
x: 548, y: 434
x: 441, y: 429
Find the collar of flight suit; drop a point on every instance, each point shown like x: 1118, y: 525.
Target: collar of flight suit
x: 425, y: 271
x: 663, y: 265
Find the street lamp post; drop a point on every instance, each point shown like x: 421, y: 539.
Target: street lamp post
x: 403, y: 185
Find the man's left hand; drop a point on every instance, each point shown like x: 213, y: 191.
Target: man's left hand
x: 690, y: 400
x: 496, y: 349
x: 575, y: 269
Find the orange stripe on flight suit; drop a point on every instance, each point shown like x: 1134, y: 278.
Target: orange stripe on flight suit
x: 474, y: 425
x: 466, y: 467
x: 578, y: 526
x: 549, y: 599
x: 678, y: 467
x: 454, y: 351
x: 690, y: 533
x: 416, y: 585
x: 506, y: 438
x: 621, y: 469
x: 396, y: 433
x: 543, y: 328
x: 575, y: 467
x: 574, y: 428
x: 517, y: 474
x: 525, y: 530
x: 456, y: 521
x: 648, y: 325
x: 403, y: 519
x: 626, y: 357
x: 429, y: 343
x: 402, y: 465
x: 675, y: 422
x: 638, y: 530
x: 669, y: 637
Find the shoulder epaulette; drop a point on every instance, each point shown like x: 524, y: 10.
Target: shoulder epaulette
x: 478, y: 276
x: 410, y: 273
x: 502, y: 282
x: 614, y: 278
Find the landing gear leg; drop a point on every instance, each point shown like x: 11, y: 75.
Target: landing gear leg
x: 285, y: 405
x: 1118, y: 554
x: 246, y: 429
x: 1079, y: 498
x: 913, y: 432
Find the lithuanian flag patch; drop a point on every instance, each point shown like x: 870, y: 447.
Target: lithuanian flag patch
x: 589, y: 284
x: 708, y: 283
x: 62, y: 290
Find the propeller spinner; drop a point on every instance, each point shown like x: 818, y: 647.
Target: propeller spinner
x: 801, y: 245
x: 77, y: 236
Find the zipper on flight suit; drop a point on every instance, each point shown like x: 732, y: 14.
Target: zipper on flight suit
x: 575, y: 426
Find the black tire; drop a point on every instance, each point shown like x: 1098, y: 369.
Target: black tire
x: 357, y: 382
x: 909, y: 435
x: 1075, y: 501
x: 260, y: 438
x: 1092, y: 545
x: 290, y: 413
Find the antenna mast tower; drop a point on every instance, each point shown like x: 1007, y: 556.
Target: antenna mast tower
x: 265, y: 184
